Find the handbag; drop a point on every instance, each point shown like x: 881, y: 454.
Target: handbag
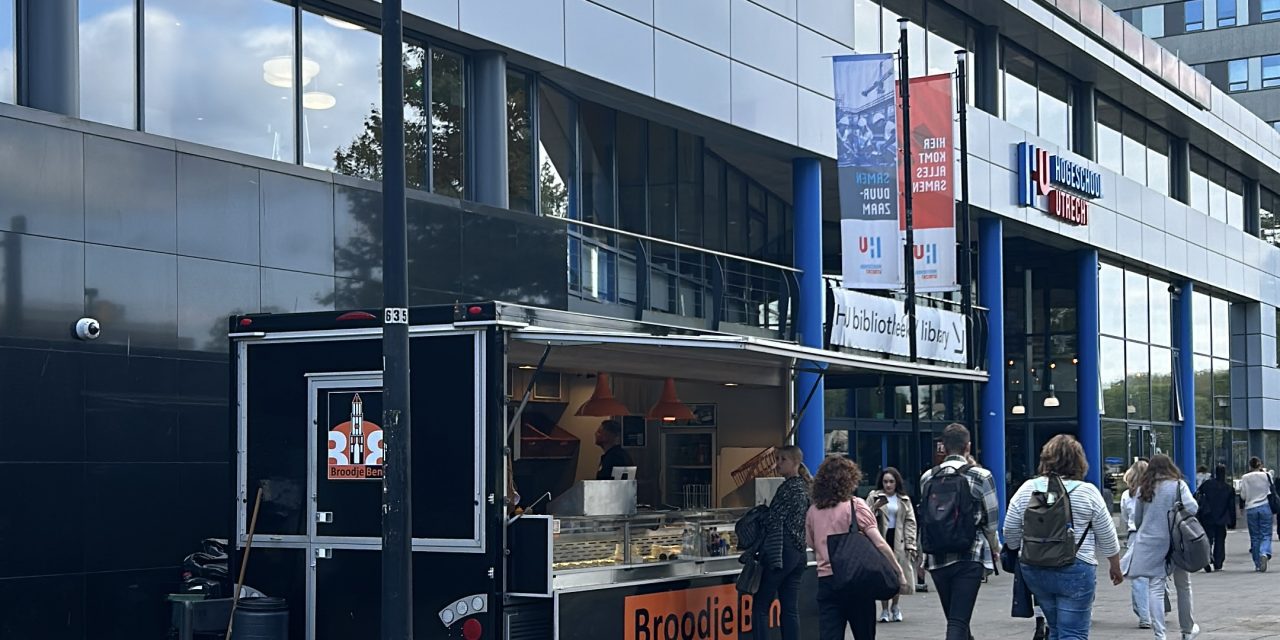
x: 748, y: 581
x: 858, y: 568
x: 1273, y: 500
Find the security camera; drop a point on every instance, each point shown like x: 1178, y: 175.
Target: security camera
x: 88, y: 329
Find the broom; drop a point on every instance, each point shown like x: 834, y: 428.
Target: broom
x: 244, y: 562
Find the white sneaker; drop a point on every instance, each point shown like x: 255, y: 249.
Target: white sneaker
x: 1195, y: 631
x: 884, y: 616
x: 1263, y: 563
x: 897, y: 614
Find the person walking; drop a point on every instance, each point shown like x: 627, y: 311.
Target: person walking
x: 783, y: 548
x: 1138, y: 587
x: 1159, y: 491
x: 1255, y: 486
x: 1217, y: 512
x: 833, y: 511
x: 896, y: 521
x: 958, y: 492
x: 1062, y: 574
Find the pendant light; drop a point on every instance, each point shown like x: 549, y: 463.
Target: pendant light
x: 668, y: 408
x: 1018, y: 409
x: 1052, y: 399
x: 602, y: 402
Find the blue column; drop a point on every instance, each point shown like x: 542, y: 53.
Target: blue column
x: 1088, y: 384
x: 991, y: 296
x: 806, y: 185
x: 1186, y: 434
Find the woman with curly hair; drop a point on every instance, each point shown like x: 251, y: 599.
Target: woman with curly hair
x: 896, y: 521
x: 833, y: 511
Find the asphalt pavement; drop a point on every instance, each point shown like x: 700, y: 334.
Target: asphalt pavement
x: 1234, y: 604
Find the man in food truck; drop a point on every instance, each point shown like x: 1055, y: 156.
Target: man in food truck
x: 609, y: 439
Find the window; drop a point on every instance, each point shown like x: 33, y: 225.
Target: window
x: 1037, y: 97
x: 107, y: 75
x: 1271, y: 71
x: 341, y: 92
x: 1135, y: 153
x: 1152, y: 21
x: 556, y: 142
x: 1199, y: 183
x: 1237, y: 75
x: 1226, y: 13
x: 1276, y: 125
x: 1193, y: 15
x: 190, y: 93
x: 1055, y: 107
x: 1020, y: 90
x: 1109, y: 141
x: 866, y: 26
x: 8, y: 80
x: 1269, y: 9
x: 448, y: 123
x: 519, y: 143
x: 1268, y: 224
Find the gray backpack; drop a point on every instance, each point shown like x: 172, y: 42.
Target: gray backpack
x: 1047, y: 527
x: 1188, y: 544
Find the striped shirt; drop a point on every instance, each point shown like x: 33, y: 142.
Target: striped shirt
x: 1086, y: 506
x: 987, y: 519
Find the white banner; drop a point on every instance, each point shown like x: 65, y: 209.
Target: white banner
x: 873, y: 323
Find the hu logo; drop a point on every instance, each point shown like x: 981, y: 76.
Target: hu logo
x: 927, y: 252
x: 870, y: 246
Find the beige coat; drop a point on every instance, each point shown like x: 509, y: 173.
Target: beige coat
x: 905, y: 541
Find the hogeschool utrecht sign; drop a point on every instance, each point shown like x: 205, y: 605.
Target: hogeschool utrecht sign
x: 1066, y: 185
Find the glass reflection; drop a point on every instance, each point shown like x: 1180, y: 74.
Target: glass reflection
x: 1111, y: 367
x: 519, y: 143
x: 1204, y: 389
x: 341, y: 95
x: 448, y: 123
x: 1138, y: 380
x: 1055, y: 112
x: 1135, y: 306
x: 1202, y: 337
x: 1159, y: 304
x: 8, y: 79
x: 1161, y: 384
x: 1158, y: 160
x: 220, y: 73
x: 1135, y: 152
x: 1221, y: 328
x: 1199, y: 199
x: 107, y: 80
x: 1110, y: 293
x: 555, y: 152
x: 866, y: 26
x: 1020, y: 91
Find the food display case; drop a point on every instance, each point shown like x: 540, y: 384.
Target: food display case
x: 644, y: 539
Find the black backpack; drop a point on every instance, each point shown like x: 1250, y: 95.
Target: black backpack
x: 1047, y: 526
x: 949, y: 513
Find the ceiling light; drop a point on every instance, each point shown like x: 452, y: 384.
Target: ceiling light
x: 278, y: 71
x: 668, y: 408
x: 909, y: 409
x: 318, y: 100
x: 602, y: 403
x: 730, y: 384
x: 526, y: 367
x: 1018, y: 409
x: 1052, y: 399
x: 342, y: 24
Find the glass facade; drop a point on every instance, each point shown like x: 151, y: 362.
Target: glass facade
x: 1217, y: 441
x: 520, y: 151
x: 1216, y: 190
x: 1037, y: 97
x: 1268, y: 220
x: 1131, y: 146
x: 935, y: 32
x: 107, y: 72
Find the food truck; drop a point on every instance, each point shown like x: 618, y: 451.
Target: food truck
x: 514, y: 536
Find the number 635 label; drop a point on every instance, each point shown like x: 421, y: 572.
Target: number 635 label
x: 395, y: 315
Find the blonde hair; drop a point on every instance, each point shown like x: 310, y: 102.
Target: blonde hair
x: 794, y: 454
x: 1134, y: 474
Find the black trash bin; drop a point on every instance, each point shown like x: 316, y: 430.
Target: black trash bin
x: 261, y: 619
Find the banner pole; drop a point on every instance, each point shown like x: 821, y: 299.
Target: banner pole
x: 909, y: 260
x: 966, y: 247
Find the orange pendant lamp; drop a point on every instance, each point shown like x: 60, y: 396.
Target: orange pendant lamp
x: 668, y: 408
x: 602, y: 402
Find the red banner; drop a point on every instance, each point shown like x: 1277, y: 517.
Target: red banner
x: 932, y: 184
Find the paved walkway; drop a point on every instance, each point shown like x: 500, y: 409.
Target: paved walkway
x: 1236, y: 604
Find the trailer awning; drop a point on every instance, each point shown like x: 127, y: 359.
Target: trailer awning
x: 711, y: 357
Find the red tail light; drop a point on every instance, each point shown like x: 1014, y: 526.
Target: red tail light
x: 472, y: 629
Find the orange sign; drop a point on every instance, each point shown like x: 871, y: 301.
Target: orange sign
x: 706, y: 613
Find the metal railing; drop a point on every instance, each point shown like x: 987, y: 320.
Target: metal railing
x: 654, y: 276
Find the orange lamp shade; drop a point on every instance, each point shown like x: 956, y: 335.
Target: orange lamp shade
x: 602, y: 402
x: 668, y: 408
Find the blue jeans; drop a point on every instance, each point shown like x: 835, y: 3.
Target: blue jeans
x: 1139, y: 590
x: 1065, y: 595
x: 1259, y: 519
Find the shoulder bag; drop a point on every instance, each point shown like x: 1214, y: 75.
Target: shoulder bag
x: 858, y: 568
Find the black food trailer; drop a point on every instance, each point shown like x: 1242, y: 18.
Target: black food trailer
x: 584, y: 564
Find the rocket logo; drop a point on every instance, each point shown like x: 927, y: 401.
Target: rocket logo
x: 355, y: 447
x: 870, y: 246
